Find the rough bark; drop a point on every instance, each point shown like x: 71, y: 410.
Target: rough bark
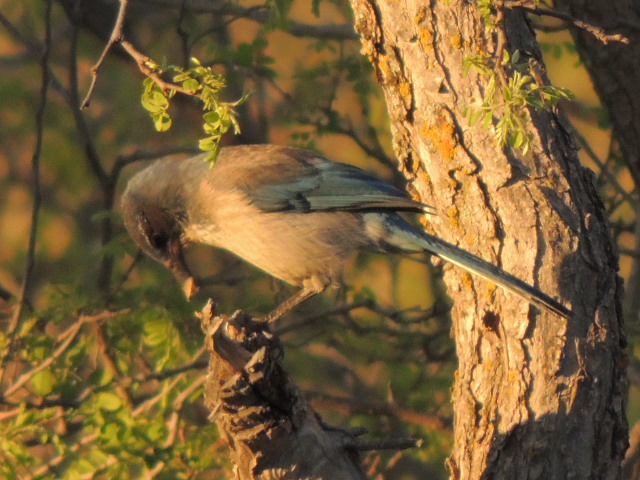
x: 535, y: 396
x: 614, y: 68
x: 271, y: 431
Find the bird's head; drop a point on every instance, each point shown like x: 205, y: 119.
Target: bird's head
x: 159, y: 233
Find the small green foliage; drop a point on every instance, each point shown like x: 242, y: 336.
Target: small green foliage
x: 203, y: 83
x: 27, y: 425
x: 100, y: 379
x: 315, y: 7
x: 559, y: 49
x: 43, y: 382
x: 488, y: 13
x: 506, y: 100
x: 156, y: 102
x: 279, y: 14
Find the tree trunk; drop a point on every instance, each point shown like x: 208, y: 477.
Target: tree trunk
x: 535, y: 395
x: 614, y: 68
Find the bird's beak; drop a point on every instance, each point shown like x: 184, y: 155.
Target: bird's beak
x: 178, y: 266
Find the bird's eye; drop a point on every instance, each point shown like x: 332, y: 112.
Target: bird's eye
x: 159, y: 241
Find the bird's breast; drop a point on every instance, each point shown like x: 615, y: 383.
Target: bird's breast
x: 290, y: 246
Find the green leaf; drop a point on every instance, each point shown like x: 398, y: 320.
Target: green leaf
x: 162, y: 122
x: 517, y: 139
x: 488, y: 119
x: 474, y: 116
x: 244, y: 54
x: 208, y: 144
x: 212, y: 117
x: 101, y: 376
x: 43, y: 382
x: 84, y: 466
x: 109, y: 436
x: 191, y: 84
x: 155, y: 101
x: 108, y: 401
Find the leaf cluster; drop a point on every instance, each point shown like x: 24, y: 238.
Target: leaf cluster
x: 506, y: 100
x: 203, y: 83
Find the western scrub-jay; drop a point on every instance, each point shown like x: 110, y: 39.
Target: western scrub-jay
x: 290, y: 212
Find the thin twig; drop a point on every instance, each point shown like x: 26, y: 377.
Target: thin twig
x: 54, y: 462
x: 151, y: 401
x: 264, y: 15
x: 116, y: 37
x: 33, y: 50
x: 386, y: 444
x: 67, y: 337
x: 84, y: 133
x: 110, y: 365
x: 37, y: 195
x: 372, y: 407
x: 145, y: 65
x: 196, y: 364
x: 594, y: 30
x: 628, y: 197
x: 173, y: 424
x: 141, y: 155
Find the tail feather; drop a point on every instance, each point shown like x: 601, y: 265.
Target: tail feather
x: 403, y: 234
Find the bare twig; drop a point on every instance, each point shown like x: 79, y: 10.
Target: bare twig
x: 196, y: 364
x: 116, y: 37
x: 150, y: 402
x: 613, y: 180
x: 141, y: 155
x: 173, y: 423
x: 5, y: 294
x: 598, y: 32
x: 111, y: 365
x: 55, y: 461
x: 263, y: 15
x: 386, y: 444
x: 81, y: 125
x: 34, y: 50
x: 359, y: 405
x: 37, y: 199
x: 145, y: 64
x: 66, y: 338
x: 371, y: 305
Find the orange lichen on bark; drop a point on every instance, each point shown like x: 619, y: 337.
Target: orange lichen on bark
x: 426, y: 38
x: 490, y: 291
x: 442, y: 136
x: 467, y: 279
x: 421, y: 15
x: 405, y: 90
x: 453, y: 214
x: 456, y: 41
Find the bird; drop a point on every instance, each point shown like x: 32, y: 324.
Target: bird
x: 292, y: 213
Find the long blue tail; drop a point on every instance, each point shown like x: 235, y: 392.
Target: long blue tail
x: 405, y: 237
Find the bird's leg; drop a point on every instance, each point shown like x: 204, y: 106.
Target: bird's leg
x: 289, y: 304
x: 292, y: 302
